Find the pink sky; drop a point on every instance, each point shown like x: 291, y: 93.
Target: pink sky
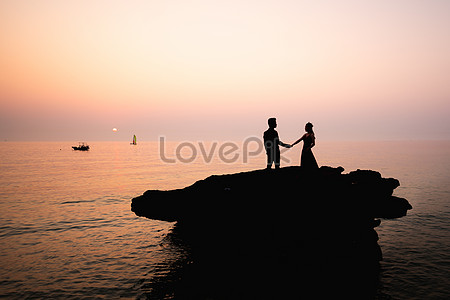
x: 214, y: 70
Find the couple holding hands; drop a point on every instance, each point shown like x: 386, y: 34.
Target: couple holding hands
x: 272, y: 143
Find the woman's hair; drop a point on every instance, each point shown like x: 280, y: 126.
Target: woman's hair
x: 309, y: 127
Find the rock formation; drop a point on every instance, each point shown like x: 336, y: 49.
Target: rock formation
x: 320, y: 220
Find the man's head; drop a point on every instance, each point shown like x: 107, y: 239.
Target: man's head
x: 272, y: 122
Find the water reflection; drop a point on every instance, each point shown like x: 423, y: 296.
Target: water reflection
x: 278, y: 271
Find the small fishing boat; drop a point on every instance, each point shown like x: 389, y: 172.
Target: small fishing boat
x: 81, y: 147
x: 134, y: 140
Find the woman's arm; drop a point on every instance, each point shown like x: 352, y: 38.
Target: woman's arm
x: 298, y: 141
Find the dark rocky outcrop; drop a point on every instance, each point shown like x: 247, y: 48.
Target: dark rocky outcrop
x: 320, y: 222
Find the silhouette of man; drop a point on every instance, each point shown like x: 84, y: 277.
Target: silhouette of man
x: 272, y: 143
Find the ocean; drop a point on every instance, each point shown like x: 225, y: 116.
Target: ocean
x: 67, y: 231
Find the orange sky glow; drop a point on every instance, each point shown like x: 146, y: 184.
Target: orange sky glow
x: 214, y: 70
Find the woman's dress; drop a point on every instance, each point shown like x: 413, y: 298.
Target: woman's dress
x: 308, y: 161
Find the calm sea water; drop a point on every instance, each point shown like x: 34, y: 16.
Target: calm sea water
x: 66, y: 229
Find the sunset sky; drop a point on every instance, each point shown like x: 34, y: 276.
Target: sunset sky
x: 216, y: 70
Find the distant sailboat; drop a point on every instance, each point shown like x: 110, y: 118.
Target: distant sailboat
x: 134, y: 140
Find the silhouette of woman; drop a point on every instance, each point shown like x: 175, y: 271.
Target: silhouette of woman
x: 308, y: 161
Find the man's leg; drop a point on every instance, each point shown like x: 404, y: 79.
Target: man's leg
x: 277, y: 158
x: 270, y: 158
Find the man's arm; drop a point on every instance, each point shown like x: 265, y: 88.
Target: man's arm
x: 285, y: 145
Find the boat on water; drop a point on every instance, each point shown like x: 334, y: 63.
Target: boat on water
x: 134, y: 140
x: 81, y: 147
